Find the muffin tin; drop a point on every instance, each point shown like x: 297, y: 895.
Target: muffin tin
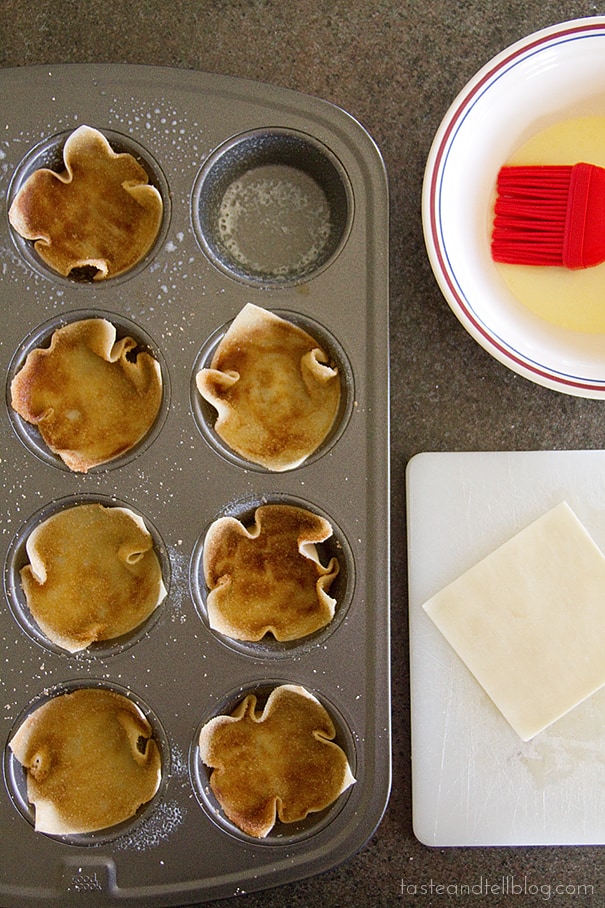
x: 234, y: 161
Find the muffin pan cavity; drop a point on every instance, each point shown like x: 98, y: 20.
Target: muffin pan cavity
x: 15, y: 776
x: 40, y: 338
x: 272, y: 206
x: 239, y: 165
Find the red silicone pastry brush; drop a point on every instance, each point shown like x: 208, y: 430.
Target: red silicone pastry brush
x: 550, y: 215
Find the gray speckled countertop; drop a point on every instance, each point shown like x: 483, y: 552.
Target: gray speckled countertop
x: 395, y: 66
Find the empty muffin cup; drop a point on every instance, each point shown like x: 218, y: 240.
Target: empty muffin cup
x: 272, y: 207
x: 143, y: 211
x: 281, y: 833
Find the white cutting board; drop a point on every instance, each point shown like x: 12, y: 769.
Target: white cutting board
x: 474, y: 781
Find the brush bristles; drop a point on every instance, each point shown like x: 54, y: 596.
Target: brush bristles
x: 530, y: 215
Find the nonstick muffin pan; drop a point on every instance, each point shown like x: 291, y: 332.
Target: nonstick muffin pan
x: 207, y: 142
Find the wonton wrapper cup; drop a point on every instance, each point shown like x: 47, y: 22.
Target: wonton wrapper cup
x: 277, y: 410
x: 17, y: 559
x: 127, y: 776
x: 86, y: 392
x: 267, y: 577
x: 342, y: 587
x: 328, y: 763
x: 92, y: 214
x: 93, y: 575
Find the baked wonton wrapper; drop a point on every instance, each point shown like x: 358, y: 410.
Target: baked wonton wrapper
x: 100, y: 212
x: 93, y: 575
x: 90, y: 398
x: 91, y: 761
x: 274, y: 390
x: 277, y: 763
x: 267, y: 578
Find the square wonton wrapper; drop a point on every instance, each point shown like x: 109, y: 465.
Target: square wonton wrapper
x: 529, y: 619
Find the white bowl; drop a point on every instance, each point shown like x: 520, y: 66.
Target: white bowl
x: 552, y: 75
